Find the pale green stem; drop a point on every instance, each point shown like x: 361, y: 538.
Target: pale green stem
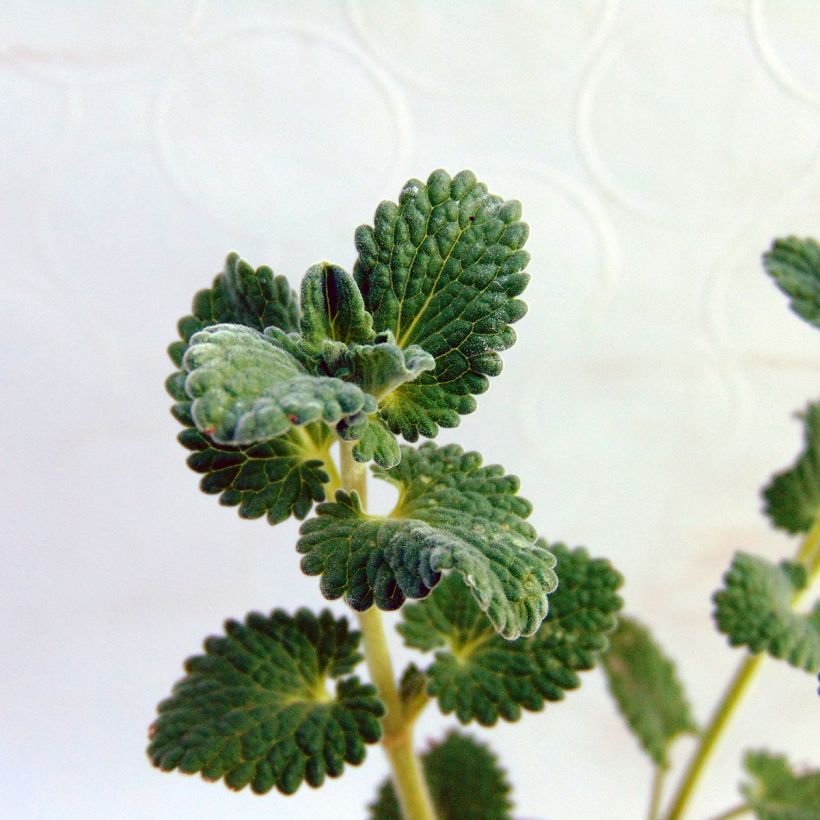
x: 397, y: 739
x: 657, y: 792
x: 737, y: 811
x: 809, y: 556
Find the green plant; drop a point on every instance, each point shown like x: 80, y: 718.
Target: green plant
x: 283, y: 402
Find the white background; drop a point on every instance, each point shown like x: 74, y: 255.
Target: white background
x: 657, y: 147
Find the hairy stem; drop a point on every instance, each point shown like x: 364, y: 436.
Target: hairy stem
x: 710, y: 736
x: 397, y: 741
x: 737, y: 811
x: 657, y: 792
x: 809, y: 555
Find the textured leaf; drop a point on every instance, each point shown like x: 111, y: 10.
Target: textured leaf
x: 465, y: 780
x: 441, y: 270
x: 795, y: 265
x: 245, y: 389
x: 777, y: 793
x: 332, y: 307
x: 482, y: 677
x: 255, y: 708
x: 793, y: 496
x: 753, y: 610
x: 645, y: 685
x: 377, y: 443
x: 281, y: 477
x: 452, y: 514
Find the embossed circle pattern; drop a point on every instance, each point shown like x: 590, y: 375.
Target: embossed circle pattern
x: 529, y: 39
x: 281, y: 129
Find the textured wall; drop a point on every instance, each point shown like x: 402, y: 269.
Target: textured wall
x: 656, y: 146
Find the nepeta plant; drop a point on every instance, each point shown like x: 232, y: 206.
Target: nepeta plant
x: 267, y: 384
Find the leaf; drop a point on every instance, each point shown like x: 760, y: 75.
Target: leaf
x: 246, y: 389
x: 255, y: 708
x: 482, y: 677
x: 452, y: 514
x: 753, y: 610
x: 645, y: 685
x: 281, y: 477
x: 794, y: 264
x: 377, y: 443
x: 793, y: 496
x: 332, y: 307
x: 441, y: 270
x: 465, y: 780
x: 776, y: 792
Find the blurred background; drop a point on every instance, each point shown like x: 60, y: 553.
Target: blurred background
x: 657, y: 148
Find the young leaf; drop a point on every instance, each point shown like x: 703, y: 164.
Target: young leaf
x: 793, y: 496
x: 465, y: 780
x: 482, y: 677
x: 255, y: 708
x: 795, y: 265
x: 245, y: 389
x: 452, y: 514
x: 441, y: 270
x: 332, y: 307
x: 753, y: 610
x: 281, y: 477
x: 376, y: 443
x: 776, y: 793
x: 645, y: 685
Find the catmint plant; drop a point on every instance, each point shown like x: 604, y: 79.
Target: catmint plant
x: 287, y: 403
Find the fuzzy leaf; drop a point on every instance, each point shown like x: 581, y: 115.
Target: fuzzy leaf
x: 482, y: 677
x: 281, y: 477
x: 377, y: 443
x: 776, y: 792
x: 795, y: 265
x: 645, y: 685
x: 753, y: 610
x: 465, y: 780
x: 332, y: 307
x: 441, y: 270
x: 452, y: 514
x: 245, y: 389
x: 793, y: 496
x: 255, y: 708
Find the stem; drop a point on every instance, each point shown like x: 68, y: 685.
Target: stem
x: 809, y: 555
x: 397, y: 740
x: 657, y: 792
x: 737, y: 811
x: 717, y: 724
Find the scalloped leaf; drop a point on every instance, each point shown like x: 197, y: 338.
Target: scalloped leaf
x: 246, y: 389
x: 465, y: 780
x: 255, y: 708
x: 452, y: 514
x: 377, y: 443
x: 281, y: 477
x: 794, y: 264
x: 441, y: 270
x: 753, y: 610
x: 482, y: 677
x: 644, y: 682
x: 793, y: 496
x: 776, y: 792
x: 332, y: 307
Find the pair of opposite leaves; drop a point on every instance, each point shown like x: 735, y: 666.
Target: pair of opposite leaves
x: 400, y: 347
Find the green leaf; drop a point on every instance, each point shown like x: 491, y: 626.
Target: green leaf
x: 793, y: 496
x: 332, y: 307
x: 377, y: 443
x: 754, y: 610
x: 465, y: 780
x: 255, y: 708
x: 281, y: 477
x: 246, y: 389
x: 482, y: 677
x: 794, y: 264
x: 645, y: 685
x: 452, y: 514
x: 776, y: 792
x: 441, y: 270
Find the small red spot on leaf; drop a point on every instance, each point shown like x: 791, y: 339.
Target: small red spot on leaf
x: 293, y: 419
